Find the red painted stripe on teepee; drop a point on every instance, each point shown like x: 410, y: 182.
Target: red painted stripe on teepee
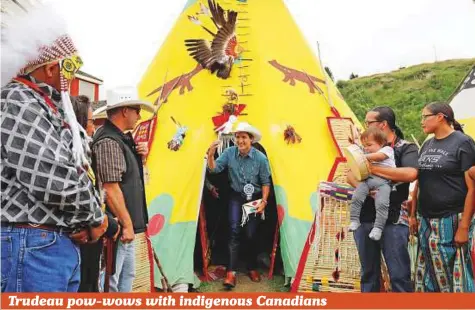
x: 303, y: 258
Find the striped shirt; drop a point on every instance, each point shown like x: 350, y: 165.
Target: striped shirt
x: 110, y: 161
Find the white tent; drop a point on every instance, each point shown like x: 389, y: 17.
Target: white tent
x: 463, y: 103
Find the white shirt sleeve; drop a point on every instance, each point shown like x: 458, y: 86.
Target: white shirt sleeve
x: 388, y: 151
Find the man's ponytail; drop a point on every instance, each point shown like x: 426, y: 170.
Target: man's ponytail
x: 387, y: 114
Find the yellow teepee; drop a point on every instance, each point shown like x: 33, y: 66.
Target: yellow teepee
x: 258, y: 53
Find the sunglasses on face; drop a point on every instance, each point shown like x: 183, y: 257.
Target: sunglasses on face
x: 137, y: 110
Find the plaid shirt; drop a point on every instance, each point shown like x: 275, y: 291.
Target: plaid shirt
x: 39, y: 181
x: 110, y: 161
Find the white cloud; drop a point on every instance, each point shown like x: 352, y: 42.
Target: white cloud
x: 371, y: 36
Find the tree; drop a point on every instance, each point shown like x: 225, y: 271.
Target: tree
x: 329, y: 72
x: 341, y: 84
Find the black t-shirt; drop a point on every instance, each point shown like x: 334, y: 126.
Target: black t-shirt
x: 442, y: 164
x: 405, y: 154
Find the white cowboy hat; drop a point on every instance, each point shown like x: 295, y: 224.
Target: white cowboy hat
x: 100, y: 113
x: 245, y: 127
x: 126, y: 97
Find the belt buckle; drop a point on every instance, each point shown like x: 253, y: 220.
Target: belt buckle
x: 58, y: 228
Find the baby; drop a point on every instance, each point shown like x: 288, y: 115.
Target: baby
x: 376, y: 151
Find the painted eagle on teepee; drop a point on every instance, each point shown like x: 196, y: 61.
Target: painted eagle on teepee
x: 219, y: 54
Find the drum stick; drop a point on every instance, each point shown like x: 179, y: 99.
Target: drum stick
x: 415, y: 141
x: 167, y: 287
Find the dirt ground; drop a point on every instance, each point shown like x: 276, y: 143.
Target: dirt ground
x: 244, y: 284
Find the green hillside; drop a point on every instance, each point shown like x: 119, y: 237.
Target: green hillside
x: 406, y: 90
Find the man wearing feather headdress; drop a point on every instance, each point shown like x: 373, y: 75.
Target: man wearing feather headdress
x: 219, y: 54
x: 48, y: 200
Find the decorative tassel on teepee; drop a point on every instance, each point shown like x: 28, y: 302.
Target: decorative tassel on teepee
x: 225, y: 134
x: 291, y: 136
x: 224, y: 122
x: 176, y: 142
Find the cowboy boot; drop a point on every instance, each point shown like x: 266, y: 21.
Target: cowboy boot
x: 230, y: 280
x: 254, y: 275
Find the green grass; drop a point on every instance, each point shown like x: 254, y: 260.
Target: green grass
x: 406, y: 90
x: 245, y: 285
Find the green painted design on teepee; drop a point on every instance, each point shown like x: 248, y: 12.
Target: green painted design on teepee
x: 172, y: 238
x: 314, y: 202
x: 293, y: 234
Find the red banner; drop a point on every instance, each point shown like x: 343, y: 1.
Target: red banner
x: 145, y: 131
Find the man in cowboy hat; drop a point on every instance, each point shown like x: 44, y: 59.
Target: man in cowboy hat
x: 249, y: 175
x: 48, y: 201
x: 118, y: 164
x: 99, y: 116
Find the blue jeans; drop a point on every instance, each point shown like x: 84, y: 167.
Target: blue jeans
x: 250, y: 228
x: 124, y: 275
x: 37, y: 260
x: 393, y: 244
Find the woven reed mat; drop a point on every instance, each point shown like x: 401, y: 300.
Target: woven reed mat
x: 333, y: 264
x: 142, y: 281
x: 341, y: 130
x: 340, y: 173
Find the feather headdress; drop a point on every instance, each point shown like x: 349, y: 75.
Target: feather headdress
x: 34, y: 35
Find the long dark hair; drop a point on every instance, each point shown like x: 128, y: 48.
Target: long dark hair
x: 447, y: 111
x: 387, y: 114
x: 81, y: 106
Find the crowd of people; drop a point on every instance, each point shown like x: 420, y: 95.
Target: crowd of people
x: 54, y: 219
x: 71, y: 194
x: 441, y: 212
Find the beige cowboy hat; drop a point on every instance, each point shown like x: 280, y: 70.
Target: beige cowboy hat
x: 246, y: 127
x: 126, y: 97
x: 99, y: 113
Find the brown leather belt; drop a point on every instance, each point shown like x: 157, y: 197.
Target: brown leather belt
x: 44, y: 227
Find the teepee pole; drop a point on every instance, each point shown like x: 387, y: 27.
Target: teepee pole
x: 330, y: 101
